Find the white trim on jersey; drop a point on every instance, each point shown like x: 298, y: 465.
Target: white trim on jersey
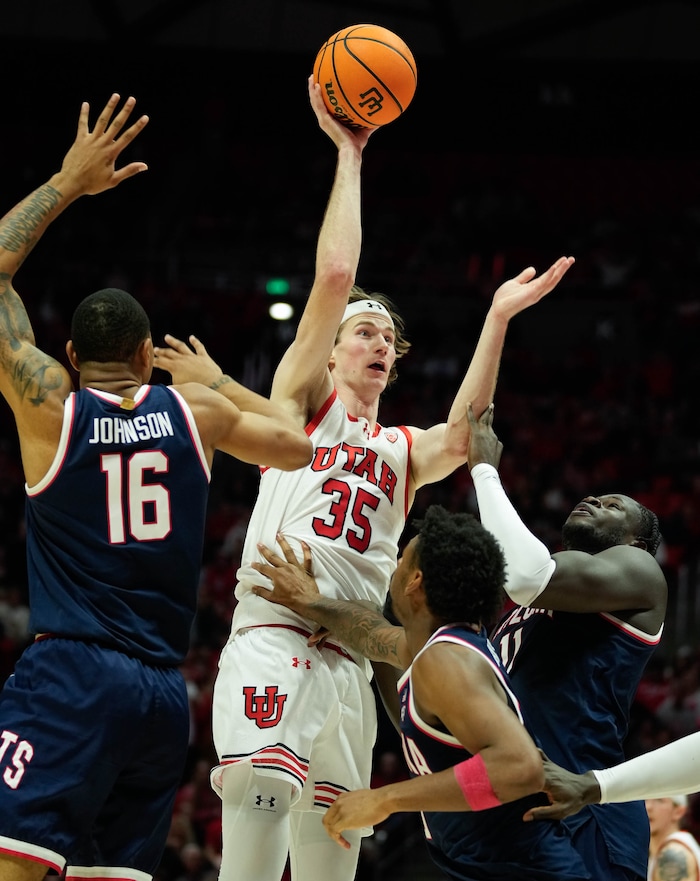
x: 194, y: 431
x: 439, y: 636
x: 641, y: 635
x: 61, y: 450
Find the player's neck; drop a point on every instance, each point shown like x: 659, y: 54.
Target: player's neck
x: 359, y: 406
x: 116, y: 377
x: 125, y: 387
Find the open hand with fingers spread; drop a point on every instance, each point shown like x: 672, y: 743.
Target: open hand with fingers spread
x: 528, y: 288
x: 89, y: 166
x: 293, y: 585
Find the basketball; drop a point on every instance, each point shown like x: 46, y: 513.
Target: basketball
x: 367, y: 75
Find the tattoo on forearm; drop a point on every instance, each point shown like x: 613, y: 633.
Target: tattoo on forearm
x: 35, y: 377
x: 32, y: 373
x: 359, y: 627
x: 223, y: 380
x: 18, y: 228
x: 15, y: 327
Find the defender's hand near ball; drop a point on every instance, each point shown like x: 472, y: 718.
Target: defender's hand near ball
x: 338, y: 133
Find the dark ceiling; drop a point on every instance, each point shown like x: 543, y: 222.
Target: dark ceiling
x: 516, y: 75
x: 579, y: 30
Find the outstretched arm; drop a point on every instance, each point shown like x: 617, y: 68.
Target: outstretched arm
x: 258, y: 438
x: 356, y: 625
x: 439, y: 450
x: 673, y: 769
x: 302, y: 380
x: 302, y: 377
x: 30, y: 380
x: 194, y: 364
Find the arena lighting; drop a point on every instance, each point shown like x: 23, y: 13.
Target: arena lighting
x: 277, y: 287
x: 281, y: 311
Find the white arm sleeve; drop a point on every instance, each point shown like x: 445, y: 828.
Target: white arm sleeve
x: 529, y: 565
x: 673, y: 769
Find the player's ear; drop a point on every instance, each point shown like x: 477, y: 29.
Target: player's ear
x: 415, y: 582
x: 72, y: 357
x: 145, y: 354
x: 639, y: 543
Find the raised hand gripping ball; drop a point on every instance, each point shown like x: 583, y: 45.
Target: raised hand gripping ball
x: 367, y: 74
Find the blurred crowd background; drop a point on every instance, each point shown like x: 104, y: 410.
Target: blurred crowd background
x: 598, y: 382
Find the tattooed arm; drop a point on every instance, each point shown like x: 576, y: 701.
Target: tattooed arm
x: 33, y: 383
x: 354, y: 623
x: 27, y: 375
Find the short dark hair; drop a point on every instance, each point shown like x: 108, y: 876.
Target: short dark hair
x: 463, y: 567
x: 401, y: 344
x: 109, y: 325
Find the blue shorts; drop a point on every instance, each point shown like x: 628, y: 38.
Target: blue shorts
x: 92, y: 749
x: 589, y: 841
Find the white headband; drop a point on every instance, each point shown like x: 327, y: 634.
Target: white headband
x: 360, y: 307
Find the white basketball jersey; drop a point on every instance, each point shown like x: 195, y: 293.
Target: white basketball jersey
x: 349, y: 505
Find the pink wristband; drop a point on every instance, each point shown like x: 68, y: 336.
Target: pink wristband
x: 473, y: 779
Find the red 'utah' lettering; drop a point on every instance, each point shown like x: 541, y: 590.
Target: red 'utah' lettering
x: 360, y: 461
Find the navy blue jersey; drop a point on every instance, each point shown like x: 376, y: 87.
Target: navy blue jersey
x: 115, y: 529
x: 576, y: 676
x: 493, y: 844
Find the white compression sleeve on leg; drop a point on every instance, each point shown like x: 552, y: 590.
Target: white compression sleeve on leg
x: 313, y: 854
x: 254, y: 825
x: 673, y: 769
x: 529, y: 565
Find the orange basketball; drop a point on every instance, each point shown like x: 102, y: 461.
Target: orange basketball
x: 367, y: 74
